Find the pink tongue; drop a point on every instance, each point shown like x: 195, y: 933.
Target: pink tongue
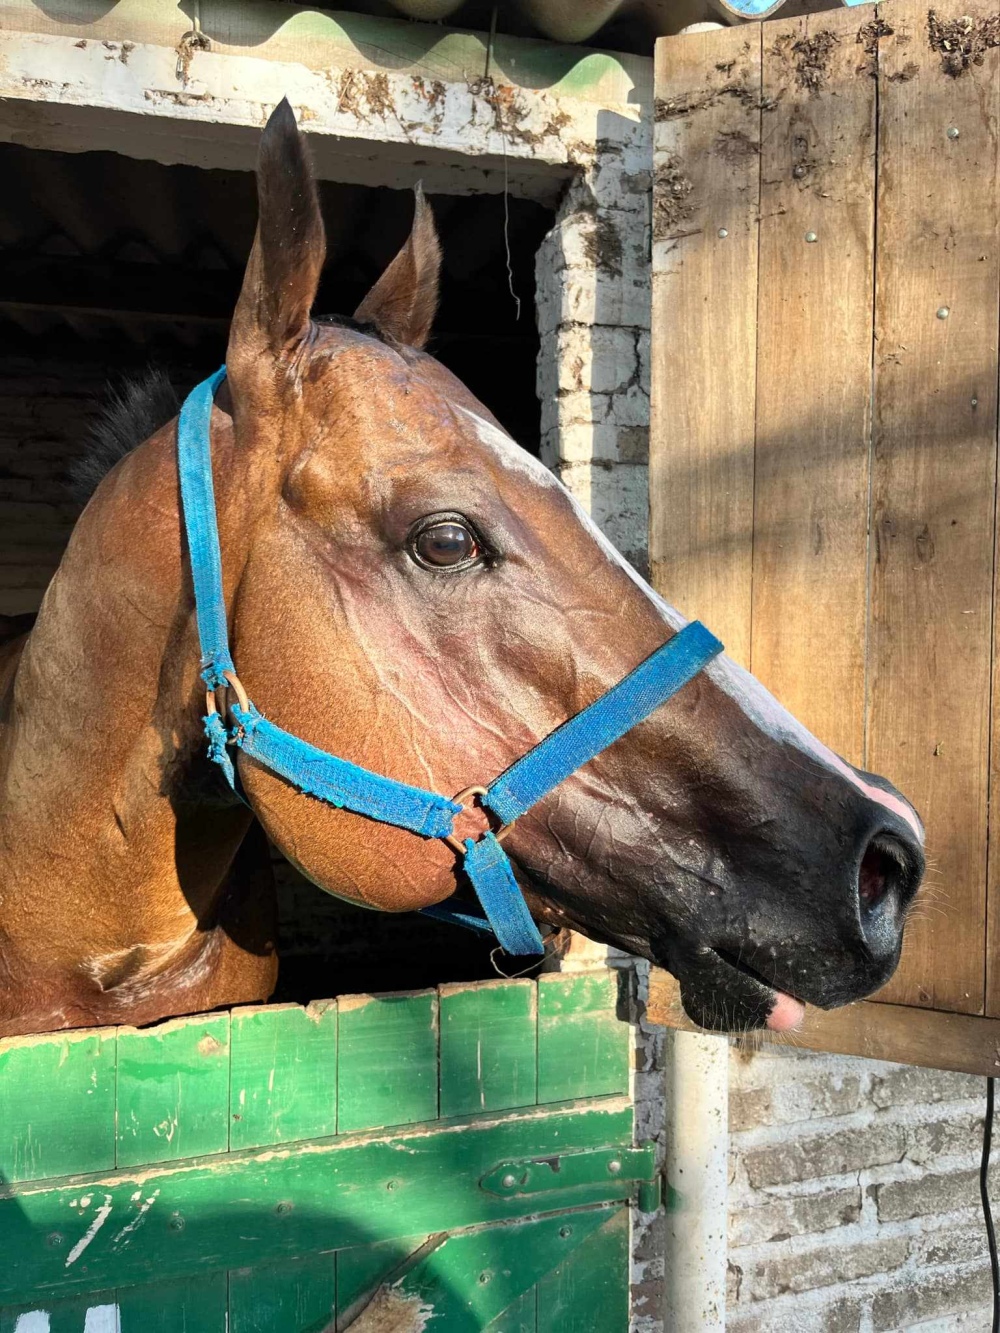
x: 786, y: 1013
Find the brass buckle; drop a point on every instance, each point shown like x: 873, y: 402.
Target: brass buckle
x: 499, y: 832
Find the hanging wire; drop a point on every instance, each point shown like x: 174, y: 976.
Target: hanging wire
x: 984, y: 1194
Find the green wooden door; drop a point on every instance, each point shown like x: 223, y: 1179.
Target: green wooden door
x: 451, y: 1160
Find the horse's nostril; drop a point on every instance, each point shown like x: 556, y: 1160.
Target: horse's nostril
x: 875, y: 876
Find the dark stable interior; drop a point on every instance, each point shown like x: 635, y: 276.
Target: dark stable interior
x: 111, y: 264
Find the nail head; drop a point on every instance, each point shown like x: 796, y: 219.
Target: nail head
x: 811, y: 237
x: 953, y: 132
x: 943, y: 312
x: 723, y: 233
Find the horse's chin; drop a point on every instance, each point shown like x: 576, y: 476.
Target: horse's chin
x: 721, y: 995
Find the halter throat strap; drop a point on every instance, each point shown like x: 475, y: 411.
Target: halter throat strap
x: 348, y: 786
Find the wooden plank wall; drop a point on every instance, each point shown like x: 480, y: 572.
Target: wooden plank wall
x: 824, y: 443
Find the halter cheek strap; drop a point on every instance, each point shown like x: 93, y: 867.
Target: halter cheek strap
x: 350, y: 787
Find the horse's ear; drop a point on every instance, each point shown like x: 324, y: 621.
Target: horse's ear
x: 284, y: 268
x: 403, y: 302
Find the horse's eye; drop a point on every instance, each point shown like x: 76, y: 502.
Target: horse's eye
x: 444, y: 545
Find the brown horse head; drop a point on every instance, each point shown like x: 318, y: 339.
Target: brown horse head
x: 408, y: 589
x: 417, y: 594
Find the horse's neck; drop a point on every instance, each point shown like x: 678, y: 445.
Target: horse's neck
x: 102, y: 743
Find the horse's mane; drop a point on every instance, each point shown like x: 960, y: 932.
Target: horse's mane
x: 135, y: 408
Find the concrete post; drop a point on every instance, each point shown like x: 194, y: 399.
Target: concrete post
x: 697, y: 1150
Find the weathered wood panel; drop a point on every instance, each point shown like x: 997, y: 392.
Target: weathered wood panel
x: 387, y: 1063
x: 489, y: 1055
x: 934, y: 470
x: 873, y: 452
x: 706, y: 191
x: 283, y: 1073
x: 173, y: 1090
x: 57, y: 1104
x: 583, y: 1048
x: 814, y: 350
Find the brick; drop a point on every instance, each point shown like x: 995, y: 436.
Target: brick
x: 906, y: 1086
x: 814, y: 1156
x: 829, y: 1266
x: 964, y: 1243
x: 922, y: 1196
x: 748, y: 1108
x: 778, y: 1219
x: 838, y: 1314
x: 945, y: 1138
x: 930, y: 1296
x: 795, y: 1099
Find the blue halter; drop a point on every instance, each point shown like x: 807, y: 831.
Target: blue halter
x: 349, y: 787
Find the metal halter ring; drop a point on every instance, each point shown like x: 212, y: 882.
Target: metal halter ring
x: 500, y: 832
x: 236, y: 685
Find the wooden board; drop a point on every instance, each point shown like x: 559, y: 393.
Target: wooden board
x: 283, y: 1073
x: 57, y: 1099
x: 933, y: 478
x: 488, y: 1047
x: 706, y: 191
x: 965, y: 1043
x: 387, y: 1068
x: 814, y: 350
x: 583, y: 1047
x: 173, y: 1090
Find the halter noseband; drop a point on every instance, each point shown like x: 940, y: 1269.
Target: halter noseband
x: 347, y: 786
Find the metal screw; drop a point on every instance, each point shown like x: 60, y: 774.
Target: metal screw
x: 723, y: 233
x: 484, y: 1278
x: 614, y: 1166
x: 391, y: 1184
x: 799, y: 171
x: 285, y: 1206
x: 176, y: 1223
x: 508, y: 1181
x: 975, y: 402
x: 811, y: 237
x: 953, y: 132
x: 54, y: 1239
x: 943, y: 312
x: 565, y: 1232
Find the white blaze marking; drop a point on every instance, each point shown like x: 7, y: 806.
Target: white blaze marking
x: 100, y: 1218
x: 757, y: 703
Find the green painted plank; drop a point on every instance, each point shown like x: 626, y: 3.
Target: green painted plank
x: 192, y: 1305
x: 173, y: 1090
x: 293, y: 1297
x: 488, y: 1040
x: 57, y: 1104
x: 387, y: 1064
x: 362, y: 1270
x: 297, y: 1200
x: 283, y: 1074
x: 590, y: 1289
x: 518, y: 1317
x: 583, y: 1047
x: 470, y: 1279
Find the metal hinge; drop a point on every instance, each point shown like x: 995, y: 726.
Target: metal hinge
x: 596, y: 1166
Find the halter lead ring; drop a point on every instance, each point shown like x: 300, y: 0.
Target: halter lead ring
x: 348, y: 786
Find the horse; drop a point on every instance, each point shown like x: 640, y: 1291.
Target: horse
x: 407, y: 588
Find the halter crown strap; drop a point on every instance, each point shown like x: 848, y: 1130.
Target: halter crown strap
x: 348, y: 786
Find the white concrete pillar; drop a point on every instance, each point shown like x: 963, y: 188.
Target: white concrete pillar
x: 696, y: 1165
